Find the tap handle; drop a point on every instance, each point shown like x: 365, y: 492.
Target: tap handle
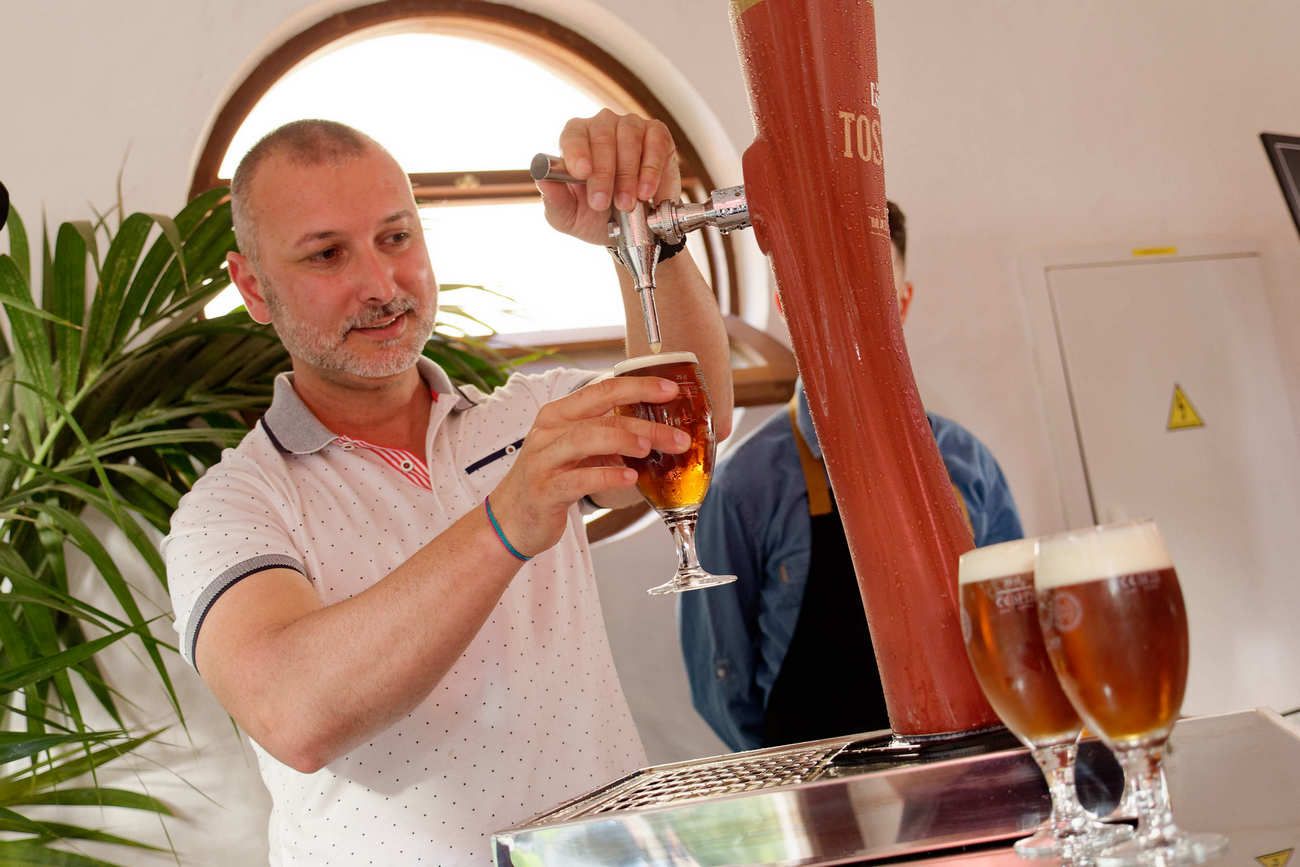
x: 727, y: 209
x: 545, y: 167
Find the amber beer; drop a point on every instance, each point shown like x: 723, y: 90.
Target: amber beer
x: 674, y: 482
x: 1005, y: 643
x: 1116, y: 628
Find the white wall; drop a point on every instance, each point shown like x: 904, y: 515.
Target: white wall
x: 1011, y: 127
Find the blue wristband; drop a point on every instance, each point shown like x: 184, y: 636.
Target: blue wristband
x: 492, y: 519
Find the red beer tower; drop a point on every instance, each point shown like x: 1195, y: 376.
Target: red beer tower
x: 814, y: 179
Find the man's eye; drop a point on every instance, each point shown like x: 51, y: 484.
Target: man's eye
x: 399, y: 237
x: 327, y: 255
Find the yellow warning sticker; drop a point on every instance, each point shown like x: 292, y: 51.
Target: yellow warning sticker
x: 1155, y: 251
x: 1182, y: 415
x: 1276, y: 859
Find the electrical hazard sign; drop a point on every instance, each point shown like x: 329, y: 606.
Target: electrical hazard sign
x: 1182, y: 415
x: 1276, y: 859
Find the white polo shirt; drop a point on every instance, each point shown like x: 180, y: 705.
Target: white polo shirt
x: 530, y: 715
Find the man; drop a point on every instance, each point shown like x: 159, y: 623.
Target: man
x: 783, y: 654
x: 387, y: 583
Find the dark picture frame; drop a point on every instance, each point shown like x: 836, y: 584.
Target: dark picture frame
x: 1284, y: 154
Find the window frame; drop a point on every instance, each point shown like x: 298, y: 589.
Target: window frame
x: 545, y: 41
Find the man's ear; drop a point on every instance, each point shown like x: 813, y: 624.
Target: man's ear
x: 904, y: 299
x: 243, y: 275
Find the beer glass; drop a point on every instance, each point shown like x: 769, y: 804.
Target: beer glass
x: 675, y: 485
x: 1116, y: 631
x: 999, y: 623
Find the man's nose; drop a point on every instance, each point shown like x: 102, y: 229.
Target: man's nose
x: 376, y: 278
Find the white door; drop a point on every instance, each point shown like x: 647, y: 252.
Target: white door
x: 1226, y: 492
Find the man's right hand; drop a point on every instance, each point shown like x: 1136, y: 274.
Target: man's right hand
x: 573, y: 451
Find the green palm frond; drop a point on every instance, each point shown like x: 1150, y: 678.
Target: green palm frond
x: 115, y: 395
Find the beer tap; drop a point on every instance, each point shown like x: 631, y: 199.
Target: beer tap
x: 636, y: 236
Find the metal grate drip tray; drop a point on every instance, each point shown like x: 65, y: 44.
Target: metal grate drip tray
x: 672, y: 784
x: 818, y: 804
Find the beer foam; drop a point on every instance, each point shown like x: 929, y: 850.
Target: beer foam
x: 996, y: 561
x: 1079, y: 556
x: 631, y: 364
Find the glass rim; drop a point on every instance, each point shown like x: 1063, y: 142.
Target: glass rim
x: 1095, y: 528
x: 629, y: 365
x: 974, y: 561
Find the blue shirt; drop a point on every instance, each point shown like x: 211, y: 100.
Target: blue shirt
x: 755, y: 524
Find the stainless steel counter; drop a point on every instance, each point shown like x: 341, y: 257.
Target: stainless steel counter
x: 818, y: 803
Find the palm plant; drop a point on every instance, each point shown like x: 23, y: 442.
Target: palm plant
x: 113, y: 401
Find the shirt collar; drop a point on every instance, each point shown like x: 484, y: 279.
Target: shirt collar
x: 804, y: 417
x: 293, y: 427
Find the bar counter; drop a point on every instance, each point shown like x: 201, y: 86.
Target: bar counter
x: 832, y: 802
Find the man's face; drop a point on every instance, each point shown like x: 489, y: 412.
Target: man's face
x: 343, y: 272
x: 901, y: 286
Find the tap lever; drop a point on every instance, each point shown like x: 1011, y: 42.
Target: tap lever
x: 635, y: 235
x: 727, y: 209
x: 545, y: 167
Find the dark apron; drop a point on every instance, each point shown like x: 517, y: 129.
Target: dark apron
x: 829, y: 684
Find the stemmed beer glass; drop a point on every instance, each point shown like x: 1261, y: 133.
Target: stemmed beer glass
x: 675, y: 485
x: 999, y: 623
x: 1116, y: 631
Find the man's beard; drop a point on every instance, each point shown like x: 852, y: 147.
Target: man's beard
x: 330, y: 352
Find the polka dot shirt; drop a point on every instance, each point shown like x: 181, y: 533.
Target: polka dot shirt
x: 530, y: 715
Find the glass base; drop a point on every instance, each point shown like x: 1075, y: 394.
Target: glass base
x: 1127, y: 808
x: 1183, y: 849
x: 1084, y: 844
x: 690, y: 579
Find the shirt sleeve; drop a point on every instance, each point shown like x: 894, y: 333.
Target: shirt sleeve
x: 230, y: 526
x: 976, y: 474
x: 719, y: 626
x: 999, y: 518
x: 552, y: 384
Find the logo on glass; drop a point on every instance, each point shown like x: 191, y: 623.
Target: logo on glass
x: 1067, y: 613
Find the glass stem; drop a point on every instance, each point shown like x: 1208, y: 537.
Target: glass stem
x: 1127, y: 807
x: 682, y: 526
x: 1068, y: 818
x: 1142, y: 766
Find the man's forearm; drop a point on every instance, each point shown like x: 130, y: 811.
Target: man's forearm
x: 314, y: 688
x: 688, y: 320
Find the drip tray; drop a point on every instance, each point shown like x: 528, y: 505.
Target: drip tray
x: 674, y: 784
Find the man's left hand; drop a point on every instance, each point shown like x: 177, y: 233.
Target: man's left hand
x: 623, y: 159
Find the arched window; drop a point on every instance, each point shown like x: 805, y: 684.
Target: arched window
x: 463, y: 94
